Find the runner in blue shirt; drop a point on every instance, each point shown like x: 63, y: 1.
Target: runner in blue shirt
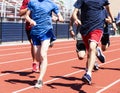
x: 41, y: 31
x: 91, y: 22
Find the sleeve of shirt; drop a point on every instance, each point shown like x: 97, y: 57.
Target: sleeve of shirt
x: 106, y: 13
x: 30, y: 6
x: 118, y: 18
x: 56, y: 9
x: 78, y: 4
x: 106, y: 2
x: 24, y: 4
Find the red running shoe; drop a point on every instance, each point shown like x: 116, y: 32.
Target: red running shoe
x: 35, y: 67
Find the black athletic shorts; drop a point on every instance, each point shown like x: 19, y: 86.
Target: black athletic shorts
x: 80, y: 46
x: 105, y: 39
x: 28, y: 34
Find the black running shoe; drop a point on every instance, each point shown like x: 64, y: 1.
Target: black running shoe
x: 96, y: 67
x: 51, y: 44
x: 100, y: 55
x: 87, y: 79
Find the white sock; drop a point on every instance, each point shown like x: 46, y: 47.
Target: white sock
x: 89, y: 73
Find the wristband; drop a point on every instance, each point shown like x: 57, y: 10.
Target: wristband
x: 113, y: 21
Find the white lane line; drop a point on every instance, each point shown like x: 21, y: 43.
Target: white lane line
x: 31, y: 58
x: 48, y: 81
x: 49, y: 49
x: 110, y: 85
x: 15, y: 71
x: 29, y: 51
x: 61, y: 53
x: 54, y: 63
x: 23, y: 89
x: 6, y: 49
x: 15, y: 53
x: 51, y: 55
x: 28, y: 46
x: 12, y: 61
x: 109, y: 61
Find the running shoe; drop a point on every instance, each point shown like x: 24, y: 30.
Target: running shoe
x: 96, y: 67
x: 100, y: 55
x: 52, y: 41
x: 51, y: 44
x: 39, y: 84
x: 87, y: 79
x: 35, y: 67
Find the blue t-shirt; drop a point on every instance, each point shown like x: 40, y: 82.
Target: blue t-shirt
x: 91, y: 14
x: 41, y: 11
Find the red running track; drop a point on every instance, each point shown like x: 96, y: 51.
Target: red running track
x: 64, y: 70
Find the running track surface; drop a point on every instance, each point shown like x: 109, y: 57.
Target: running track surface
x: 64, y: 70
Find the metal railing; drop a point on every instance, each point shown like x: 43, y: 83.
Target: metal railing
x: 9, y: 10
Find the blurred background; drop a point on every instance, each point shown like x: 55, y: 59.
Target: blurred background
x: 12, y: 26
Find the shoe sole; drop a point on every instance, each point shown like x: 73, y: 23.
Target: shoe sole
x: 37, y: 87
